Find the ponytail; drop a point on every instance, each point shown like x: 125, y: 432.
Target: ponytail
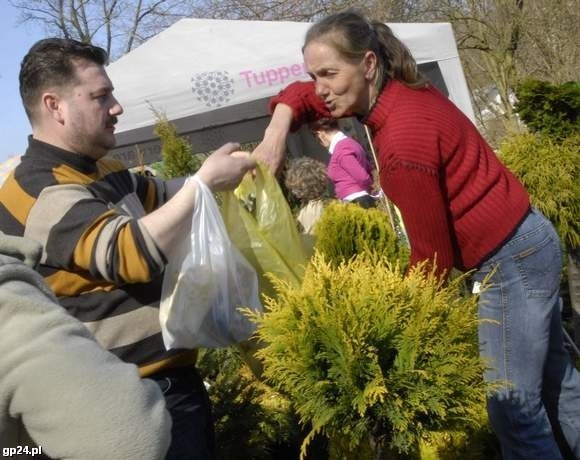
x: 395, y: 61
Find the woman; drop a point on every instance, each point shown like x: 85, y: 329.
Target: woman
x: 349, y: 168
x: 461, y: 207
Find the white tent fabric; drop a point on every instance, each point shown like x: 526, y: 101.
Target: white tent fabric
x: 8, y: 166
x: 199, y: 65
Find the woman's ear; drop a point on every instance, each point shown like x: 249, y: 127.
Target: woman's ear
x: 370, y: 65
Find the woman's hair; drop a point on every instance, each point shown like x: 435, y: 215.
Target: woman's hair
x: 352, y: 35
x: 306, y: 179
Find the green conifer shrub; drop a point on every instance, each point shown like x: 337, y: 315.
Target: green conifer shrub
x: 176, y: 152
x: 549, y: 109
x: 346, y: 229
x: 550, y: 171
x: 373, y: 359
x: 251, y: 419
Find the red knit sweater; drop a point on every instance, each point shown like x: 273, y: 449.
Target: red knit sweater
x: 458, y: 202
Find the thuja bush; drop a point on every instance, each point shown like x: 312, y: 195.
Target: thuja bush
x: 373, y: 359
x: 251, y: 419
x: 176, y: 151
x: 550, y: 109
x: 346, y: 229
x: 550, y: 171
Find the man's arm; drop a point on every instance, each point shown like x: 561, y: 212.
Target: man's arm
x: 82, y: 231
x: 222, y: 170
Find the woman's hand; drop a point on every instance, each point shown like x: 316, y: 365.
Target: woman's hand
x: 272, y: 149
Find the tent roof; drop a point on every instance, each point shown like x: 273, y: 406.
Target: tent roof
x: 245, y: 60
x: 213, y: 79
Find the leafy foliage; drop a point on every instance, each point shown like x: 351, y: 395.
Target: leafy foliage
x: 176, y: 152
x: 473, y: 443
x: 550, y: 109
x: 550, y: 171
x: 251, y: 419
x: 370, y: 357
x: 346, y: 229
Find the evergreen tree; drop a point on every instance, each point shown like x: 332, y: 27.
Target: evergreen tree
x: 176, y: 152
x: 373, y: 359
x: 550, y: 171
x: 346, y: 229
x: 552, y: 110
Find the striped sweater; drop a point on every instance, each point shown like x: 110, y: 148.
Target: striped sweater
x: 458, y: 202
x: 102, y: 265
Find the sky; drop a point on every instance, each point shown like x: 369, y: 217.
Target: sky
x: 15, y: 41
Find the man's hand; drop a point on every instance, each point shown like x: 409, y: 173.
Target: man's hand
x: 225, y: 168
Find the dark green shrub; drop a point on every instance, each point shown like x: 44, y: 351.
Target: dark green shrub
x: 346, y: 229
x: 373, y: 359
x: 549, y: 109
x: 550, y: 171
x: 251, y: 419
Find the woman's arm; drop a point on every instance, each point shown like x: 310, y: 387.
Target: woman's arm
x: 272, y: 149
x: 293, y: 106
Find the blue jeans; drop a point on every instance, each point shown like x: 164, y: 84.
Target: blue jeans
x: 536, y: 412
x: 192, y: 435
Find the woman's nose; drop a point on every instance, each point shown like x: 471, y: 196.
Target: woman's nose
x: 320, y: 89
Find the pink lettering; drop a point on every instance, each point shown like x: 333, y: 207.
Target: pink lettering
x: 296, y: 70
x: 272, y: 76
x: 246, y: 74
x: 284, y: 73
x: 260, y: 81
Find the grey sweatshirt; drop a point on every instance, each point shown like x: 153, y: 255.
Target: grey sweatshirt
x: 59, y: 390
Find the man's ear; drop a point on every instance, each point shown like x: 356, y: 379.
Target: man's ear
x: 370, y: 65
x: 52, y: 105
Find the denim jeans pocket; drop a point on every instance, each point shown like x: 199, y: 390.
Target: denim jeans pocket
x: 539, y: 266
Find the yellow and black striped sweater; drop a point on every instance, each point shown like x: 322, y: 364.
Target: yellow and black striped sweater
x: 101, y: 264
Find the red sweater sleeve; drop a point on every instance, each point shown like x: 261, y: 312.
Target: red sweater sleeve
x: 426, y: 218
x: 305, y: 104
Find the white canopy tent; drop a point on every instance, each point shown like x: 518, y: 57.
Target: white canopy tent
x: 213, y: 79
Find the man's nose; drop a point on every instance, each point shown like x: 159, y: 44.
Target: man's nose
x: 116, y: 109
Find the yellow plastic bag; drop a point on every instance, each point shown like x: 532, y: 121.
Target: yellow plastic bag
x: 261, y: 225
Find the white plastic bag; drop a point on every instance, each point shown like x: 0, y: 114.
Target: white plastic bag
x: 206, y: 283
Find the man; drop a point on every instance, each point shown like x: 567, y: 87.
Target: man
x: 107, y: 233
x: 61, y: 394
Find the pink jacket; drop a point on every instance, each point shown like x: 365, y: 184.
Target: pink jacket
x: 349, y: 168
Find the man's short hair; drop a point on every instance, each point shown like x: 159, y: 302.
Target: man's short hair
x: 50, y: 63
